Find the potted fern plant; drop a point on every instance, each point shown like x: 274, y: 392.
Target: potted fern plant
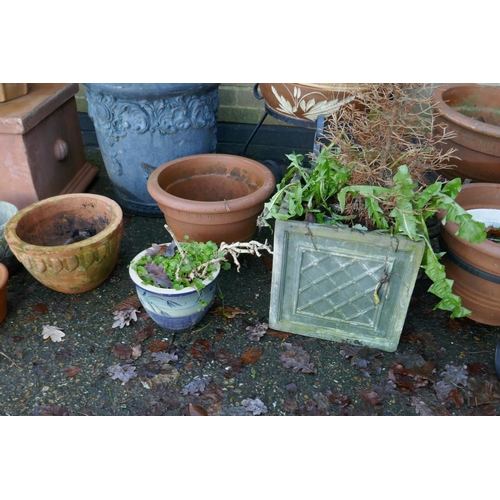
x: 351, y: 233
x: 176, y: 281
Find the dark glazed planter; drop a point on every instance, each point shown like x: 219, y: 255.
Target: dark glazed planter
x: 69, y: 243
x: 475, y: 268
x: 473, y: 112
x: 212, y: 197
x: 141, y: 126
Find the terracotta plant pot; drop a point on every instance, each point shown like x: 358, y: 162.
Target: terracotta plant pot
x: 174, y: 309
x: 212, y: 196
x: 306, y: 101
x: 4, y: 276
x: 69, y: 243
x: 473, y: 112
x: 475, y: 268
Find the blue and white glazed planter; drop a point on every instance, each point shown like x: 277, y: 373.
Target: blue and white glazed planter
x: 140, y: 126
x: 174, y: 309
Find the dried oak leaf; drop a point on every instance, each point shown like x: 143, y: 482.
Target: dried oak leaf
x: 407, y: 379
x: 124, y: 317
x: 196, y: 386
x: 200, y: 349
x: 251, y: 355
x: 123, y: 373
x: 122, y: 351
x: 131, y: 302
x: 337, y: 399
x: 144, y: 333
x: 279, y: 335
x: 365, y: 359
x: 420, y: 407
x: 197, y: 410
x: 72, y: 371
x: 54, y: 411
x: 40, y: 309
x: 256, y: 331
x: 296, y: 358
x: 254, y: 406
x: 370, y: 397
x: 53, y: 332
x: 164, y: 357
x: 157, y: 346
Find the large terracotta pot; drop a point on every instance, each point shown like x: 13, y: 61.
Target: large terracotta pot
x: 212, y: 196
x: 473, y: 112
x: 4, y: 276
x: 474, y: 267
x: 70, y: 243
x: 307, y: 101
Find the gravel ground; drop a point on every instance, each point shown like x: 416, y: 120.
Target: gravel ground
x: 231, y: 363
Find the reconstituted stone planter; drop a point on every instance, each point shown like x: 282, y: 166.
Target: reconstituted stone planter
x: 144, y: 125
x: 473, y: 112
x: 69, y: 243
x: 341, y: 284
x: 212, y: 197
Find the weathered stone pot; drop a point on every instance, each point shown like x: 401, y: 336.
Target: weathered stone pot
x: 4, y: 276
x: 174, y: 309
x: 141, y: 126
x: 212, y: 197
x: 473, y: 112
x: 7, y: 210
x: 475, y: 268
x: 69, y: 243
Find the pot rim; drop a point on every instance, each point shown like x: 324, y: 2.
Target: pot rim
x: 458, y: 118
x: 13, y: 239
x: 166, y: 291
x: 233, y: 205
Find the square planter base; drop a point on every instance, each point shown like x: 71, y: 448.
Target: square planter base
x: 41, y: 147
x: 342, y: 284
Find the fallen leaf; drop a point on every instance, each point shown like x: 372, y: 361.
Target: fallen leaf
x: 227, y: 311
x: 131, y: 302
x: 40, y: 309
x: 54, y: 411
x: 144, y: 333
x: 255, y: 332
x: 370, y: 397
x: 122, y: 351
x: 279, y: 335
x: 251, y: 355
x: 53, y: 332
x: 196, y: 386
x: 232, y: 365
x: 72, y: 371
x: 123, y: 373
x: 296, y: 358
x: 157, y: 346
x: 124, y: 317
x: 200, y: 349
x: 164, y: 357
x: 254, y: 406
x: 197, y: 410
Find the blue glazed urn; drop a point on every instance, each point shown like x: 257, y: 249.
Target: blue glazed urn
x: 141, y: 126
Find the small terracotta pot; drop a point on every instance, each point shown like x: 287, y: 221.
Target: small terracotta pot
x: 212, y: 196
x: 473, y: 112
x: 474, y: 267
x: 4, y: 276
x: 70, y: 243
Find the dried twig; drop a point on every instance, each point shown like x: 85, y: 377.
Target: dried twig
x: 11, y: 360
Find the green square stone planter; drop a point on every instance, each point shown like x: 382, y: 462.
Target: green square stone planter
x: 330, y: 283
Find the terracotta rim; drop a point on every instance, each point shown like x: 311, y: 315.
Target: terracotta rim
x: 234, y: 205
x: 449, y: 113
x: 11, y: 226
